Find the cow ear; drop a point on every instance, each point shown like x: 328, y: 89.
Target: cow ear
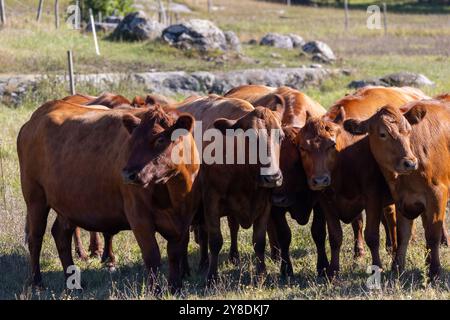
x: 279, y: 104
x: 340, y: 117
x: 185, y: 122
x: 223, y: 124
x: 415, y: 114
x: 138, y: 102
x: 356, y: 127
x: 130, y: 122
x: 150, y: 101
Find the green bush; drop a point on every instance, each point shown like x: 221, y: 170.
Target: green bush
x: 106, y: 7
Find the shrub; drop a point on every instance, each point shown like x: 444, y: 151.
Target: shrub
x: 106, y: 7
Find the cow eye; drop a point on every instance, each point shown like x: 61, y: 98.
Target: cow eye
x: 159, y: 141
x: 383, y: 135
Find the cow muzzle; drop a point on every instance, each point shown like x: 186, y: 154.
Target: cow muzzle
x: 407, y: 165
x: 271, y: 181
x: 282, y: 200
x: 320, y: 182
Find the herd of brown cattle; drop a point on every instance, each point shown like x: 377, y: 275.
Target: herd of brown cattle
x: 104, y: 164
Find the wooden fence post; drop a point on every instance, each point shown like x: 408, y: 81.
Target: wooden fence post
x: 56, y: 14
x: 94, y: 32
x: 2, y: 12
x: 385, y: 18
x: 71, y: 78
x: 39, y: 10
x: 210, y: 6
x: 346, y: 15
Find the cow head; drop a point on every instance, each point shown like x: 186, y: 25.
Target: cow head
x: 152, y: 146
x: 319, y: 147
x: 265, y: 123
x: 389, y: 136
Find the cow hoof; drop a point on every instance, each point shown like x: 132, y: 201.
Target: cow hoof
x: 286, y: 270
x: 97, y: 254
x: 111, y: 267
x: 359, y: 254
x: 82, y: 255
x: 332, y: 274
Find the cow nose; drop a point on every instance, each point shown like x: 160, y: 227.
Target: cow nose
x: 321, y: 181
x: 409, y: 164
x: 272, y: 180
x: 129, y: 176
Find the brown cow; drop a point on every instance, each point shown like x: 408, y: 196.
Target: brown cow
x: 112, y: 101
x: 241, y: 191
x: 342, y: 166
x: 412, y: 150
x: 106, y: 171
x: 152, y: 100
x: 293, y: 196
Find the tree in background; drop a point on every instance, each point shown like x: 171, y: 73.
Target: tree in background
x: 106, y: 7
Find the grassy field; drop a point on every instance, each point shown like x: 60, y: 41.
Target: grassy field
x: 416, y: 42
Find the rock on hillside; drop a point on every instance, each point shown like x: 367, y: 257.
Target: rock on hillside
x: 137, y: 27
x: 201, y: 35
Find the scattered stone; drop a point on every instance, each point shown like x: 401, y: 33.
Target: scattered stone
x: 277, y: 40
x: 233, y: 42
x: 297, y: 41
x: 399, y: 79
x: 320, y: 50
x: 316, y: 65
x: 252, y: 41
x: 137, y: 27
x: 405, y: 78
x: 275, y: 55
x: 113, y: 19
x: 202, y: 35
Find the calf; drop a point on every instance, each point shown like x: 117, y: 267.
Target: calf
x: 242, y: 191
x: 105, y: 171
x: 341, y: 166
x: 412, y: 150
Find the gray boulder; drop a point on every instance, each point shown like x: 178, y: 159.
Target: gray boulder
x: 202, y: 35
x: 277, y: 40
x: 297, y: 41
x: 321, y: 50
x: 401, y: 79
x: 137, y: 27
x: 233, y: 42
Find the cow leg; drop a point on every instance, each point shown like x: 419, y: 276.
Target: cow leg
x: 319, y: 234
x: 372, y: 231
x: 259, y: 240
x: 108, y: 256
x: 335, y: 239
x: 95, y: 248
x: 175, y: 252
x: 62, y: 232
x: 79, y: 249
x: 144, y: 232
x: 215, y: 242
x: 404, y: 231
x: 234, y: 229
x: 273, y: 237
x: 203, y: 243
x: 185, y: 269
x: 433, y: 222
x: 445, y: 240
x: 389, y: 220
x: 36, y: 222
x: 284, y: 240
x: 358, y: 225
